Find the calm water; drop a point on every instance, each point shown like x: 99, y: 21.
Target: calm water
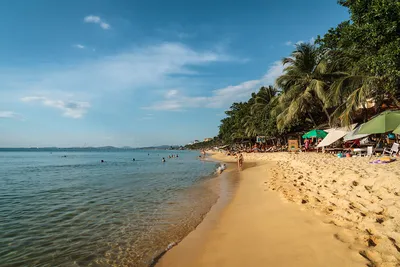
x: 77, y: 211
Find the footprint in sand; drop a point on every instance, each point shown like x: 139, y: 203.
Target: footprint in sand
x: 394, y: 243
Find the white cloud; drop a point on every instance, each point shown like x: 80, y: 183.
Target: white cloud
x: 92, y: 19
x: 97, y: 20
x: 275, y: 70
x: 311, y: 41
x: 105, y: 26
x: 72, y: 109
x: 232, y: 93
x: 79, y: 46
x: 171, y: 93
x: 219, y: 98
x: 9, y: 115
x: 164, y: 64
x: 288, y: 43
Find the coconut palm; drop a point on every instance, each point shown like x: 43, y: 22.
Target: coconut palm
x: 352, y: 91
x: 264, y: 100
x: 304, y: 84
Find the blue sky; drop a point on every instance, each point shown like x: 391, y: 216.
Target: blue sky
x: 140, y: 73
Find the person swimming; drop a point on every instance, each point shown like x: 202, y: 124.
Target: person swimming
x: 221, y: 168
x: 163, y: 160
x: 102, y: 161
x: 133, y: 159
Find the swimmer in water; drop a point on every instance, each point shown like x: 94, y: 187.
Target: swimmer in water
x: 133, y: 159
x: 102, y: 160
x: 163, y: 160
x: 221, y: 168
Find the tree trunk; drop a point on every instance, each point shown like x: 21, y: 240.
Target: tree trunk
x: 327, y: 114
x: 312, y: 119
x: 328, y: 117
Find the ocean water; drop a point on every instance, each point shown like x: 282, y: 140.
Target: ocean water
x: 77, y: 211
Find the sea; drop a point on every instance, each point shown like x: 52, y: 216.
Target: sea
x: 68, y: 208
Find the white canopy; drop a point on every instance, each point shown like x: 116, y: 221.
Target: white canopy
x: 332, y: 137
x: 335, y: 134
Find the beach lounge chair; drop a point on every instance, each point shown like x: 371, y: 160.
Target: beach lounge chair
x: 394, y: 150
x: 370, y: 151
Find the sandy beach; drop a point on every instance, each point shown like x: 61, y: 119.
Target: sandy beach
x: 359, y: 197
x: 302, y: 209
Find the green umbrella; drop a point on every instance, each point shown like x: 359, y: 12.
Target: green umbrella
x: 397, y: 130
x: 385, y: 122
x: 315, y: 133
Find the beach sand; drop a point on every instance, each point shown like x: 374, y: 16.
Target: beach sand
x: 259, y: 228
x: 359, y: 197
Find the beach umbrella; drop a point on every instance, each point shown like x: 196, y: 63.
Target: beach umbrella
x: 385, y: 122
x: 397, y: 130
x: 315, y: 133
x: 353, y: 135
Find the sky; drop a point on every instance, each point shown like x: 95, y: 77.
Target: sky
x: 141, y: 73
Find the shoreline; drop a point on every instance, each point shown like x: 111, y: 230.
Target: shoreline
x: 224, y: 186
x: 258, y: 228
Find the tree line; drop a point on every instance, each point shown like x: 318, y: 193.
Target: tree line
x: 348, y: 75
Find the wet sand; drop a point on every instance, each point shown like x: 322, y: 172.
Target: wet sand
x: 259, y: 228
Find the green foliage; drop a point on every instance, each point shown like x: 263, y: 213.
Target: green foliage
x: 305, y: 85
x: 248, y: 119
x: 371, y: 40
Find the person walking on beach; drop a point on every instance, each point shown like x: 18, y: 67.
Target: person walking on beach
x: 306, y: 144
x: 240, y: 161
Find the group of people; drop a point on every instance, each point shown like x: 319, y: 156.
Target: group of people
x: 170, y: 157
x: 308, y: 143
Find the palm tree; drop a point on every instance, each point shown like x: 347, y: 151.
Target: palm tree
x: 352, y: 90
x: 304, y: 84
x: 264, y: 101
x: 255, y: 121
x: 251, y: 128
